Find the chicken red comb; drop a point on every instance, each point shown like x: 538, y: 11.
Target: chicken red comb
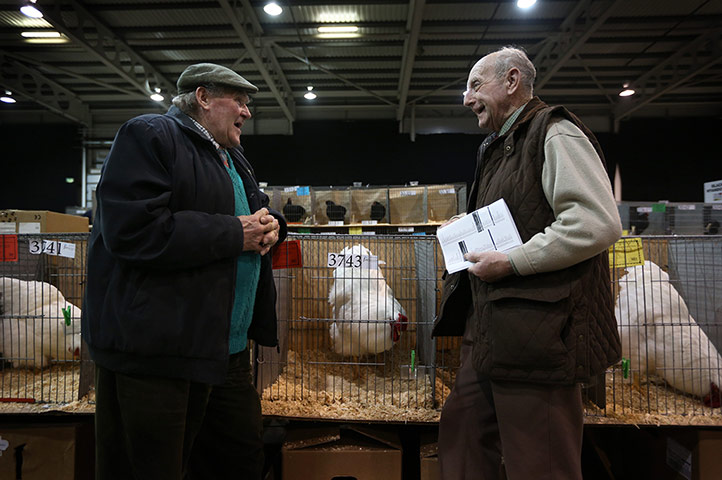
x: 712, y: 399
x: 400, y: 325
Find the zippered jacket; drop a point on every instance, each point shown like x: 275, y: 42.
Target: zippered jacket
x: 162, y: 254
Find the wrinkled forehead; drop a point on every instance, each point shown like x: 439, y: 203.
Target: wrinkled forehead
x: 481, y: 70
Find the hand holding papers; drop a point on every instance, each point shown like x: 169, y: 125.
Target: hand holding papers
x: 486, y: 229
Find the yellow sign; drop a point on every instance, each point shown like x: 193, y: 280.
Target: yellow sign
x: 355, y: 230
x: 627, y: 252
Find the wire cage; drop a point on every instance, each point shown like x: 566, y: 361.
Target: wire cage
x: 669, y: 314
x: 355, y: 318
x: 42, y: 280
x: 668, y: 304
x: 671, y: 218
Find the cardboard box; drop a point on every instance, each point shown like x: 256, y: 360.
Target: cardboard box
x: 407, y: 205
x: 41, y: 221
x: 706, y: 458
x: 441, y: 202
x: 40, y: 452
x: 429, y: 461
x: 369, y: 204
x: 340, y: 211
x: 325, y: 453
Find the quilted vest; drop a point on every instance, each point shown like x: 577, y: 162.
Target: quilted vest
x: 555, y: 327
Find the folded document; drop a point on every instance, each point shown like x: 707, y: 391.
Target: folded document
x: 486, y: 229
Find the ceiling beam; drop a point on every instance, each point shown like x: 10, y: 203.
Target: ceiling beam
x: 263, y: 57
x: 575, y: 31
x: 335, y: 75
x: 31, y: 84
x: 84, y: 29
x: 413, y: 27
x: 688, y: 62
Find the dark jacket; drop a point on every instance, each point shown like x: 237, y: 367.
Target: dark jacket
x: 554, y: 327
x: 162, y: 254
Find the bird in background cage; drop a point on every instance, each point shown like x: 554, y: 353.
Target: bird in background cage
x: 335, y: 212
x: 378, y: 211
x: 37, y: 324
x: 367, y: 318
x: 660, y: 337
x: 293, y: 213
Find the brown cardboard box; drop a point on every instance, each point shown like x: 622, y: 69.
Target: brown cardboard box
x: 407, y: 205
x: 46, y: 452
x: 707, y: 458
x: 362, y: 201
x: 325, y: 453
x: 41, y: 221
x: 442, y: 202
x: 429, y: 461
x: 342, y: 198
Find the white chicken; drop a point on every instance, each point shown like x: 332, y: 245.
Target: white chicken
x: 660, y: 337
x: 33, y: 327
x: 367, y: 317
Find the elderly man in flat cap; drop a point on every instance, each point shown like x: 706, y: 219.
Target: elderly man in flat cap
x: 179, y: 282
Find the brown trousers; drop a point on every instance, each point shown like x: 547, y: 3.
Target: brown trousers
x: 536, y: 429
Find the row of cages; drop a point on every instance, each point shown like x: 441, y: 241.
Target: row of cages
x: 671, y: 218
x: 355, y: 317
x: 368, y: 205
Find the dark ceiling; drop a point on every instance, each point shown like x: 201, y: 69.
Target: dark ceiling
x: 408, y: 62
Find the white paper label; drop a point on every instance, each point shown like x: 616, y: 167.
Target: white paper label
x: 644, y: 209
x: 290, y: 189
x: 369, y: 222
x: 447, y: 191
x: 336, y: 260
x: 28, y: 227
x: 407, y: 193
x: 51, y: 247
x: 335, y: 223
x: 7, y: 227
x: 406, y: 229
x: 686, y: 207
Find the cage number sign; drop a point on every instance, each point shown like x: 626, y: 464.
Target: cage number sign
x: 336, y: 260
x: 52, y: 247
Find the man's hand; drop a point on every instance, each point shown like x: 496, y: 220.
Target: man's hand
x: 260, y: 231
x: 490, y: 266
x: 451, y: 220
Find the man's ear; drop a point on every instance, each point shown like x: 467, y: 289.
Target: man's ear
x: 202, y: 97
x: 512, y: 81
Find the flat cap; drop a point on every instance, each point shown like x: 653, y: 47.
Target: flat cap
x: 206, y: 73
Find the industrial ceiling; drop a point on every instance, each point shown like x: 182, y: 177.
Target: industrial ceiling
x: 407, y: 61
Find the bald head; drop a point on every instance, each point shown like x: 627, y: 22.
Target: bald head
x: 498, y: 85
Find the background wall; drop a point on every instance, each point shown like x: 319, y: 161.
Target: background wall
x: 659, y: 159
x: 36, y: 159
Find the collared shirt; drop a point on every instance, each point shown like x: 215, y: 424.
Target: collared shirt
x: 221, y: 151
x: 510, y: 121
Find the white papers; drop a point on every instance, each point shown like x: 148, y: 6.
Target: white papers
x: 486, y: 229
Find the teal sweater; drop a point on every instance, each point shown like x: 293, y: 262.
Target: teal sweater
x: 247, y: 273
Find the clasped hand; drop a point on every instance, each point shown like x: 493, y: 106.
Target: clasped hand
x: 260, y: 231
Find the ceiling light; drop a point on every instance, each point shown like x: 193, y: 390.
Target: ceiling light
x: 7, y: 98
x: 338, y: 29
x: 272, y: 8
x: 627, y: 91
x: 40, y: 34
x: 309, y: 95
x: 525, y: 3
x: 338, y: 35
x: 156, y: 96
x: 29, y: 10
